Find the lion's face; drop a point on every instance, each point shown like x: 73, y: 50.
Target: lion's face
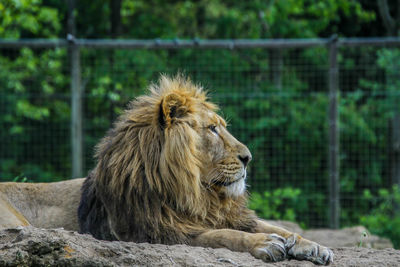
x: 197, y: 144
x: 225, y: 158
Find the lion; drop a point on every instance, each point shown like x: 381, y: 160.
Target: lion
x: 170, y: 172
x: 43, y: 205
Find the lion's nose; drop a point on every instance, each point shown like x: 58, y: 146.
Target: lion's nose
x: 243, y: 154
x: 245, y: 159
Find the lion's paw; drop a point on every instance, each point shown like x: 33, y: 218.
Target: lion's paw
x: 269, y: 248
x: 303, y: 249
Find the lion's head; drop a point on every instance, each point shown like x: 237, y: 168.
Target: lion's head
x: 170, y: 150
x: 197, y: 148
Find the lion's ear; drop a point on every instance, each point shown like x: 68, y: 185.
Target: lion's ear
x: 173, y: 106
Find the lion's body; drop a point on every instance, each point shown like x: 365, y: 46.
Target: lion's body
x: 44, y: 205
x: 170, y: 172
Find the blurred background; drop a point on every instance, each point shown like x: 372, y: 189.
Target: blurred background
x: 312, y: 87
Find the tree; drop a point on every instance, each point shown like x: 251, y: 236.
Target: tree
x: 392, y: 24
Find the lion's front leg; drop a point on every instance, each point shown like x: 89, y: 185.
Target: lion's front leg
x: 268, y: 247
x: 298, y: 247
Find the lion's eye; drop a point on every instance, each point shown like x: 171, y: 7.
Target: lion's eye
x: 213, y: 128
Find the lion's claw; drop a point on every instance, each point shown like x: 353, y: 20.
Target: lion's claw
x: 271, y: 249
x: 290, y: 241
x: 278, y: 237
x: 303, y: 249
x: 328, y: 257
x: 322, y: 258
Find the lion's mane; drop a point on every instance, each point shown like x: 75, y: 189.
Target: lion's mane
x: 146, y: 186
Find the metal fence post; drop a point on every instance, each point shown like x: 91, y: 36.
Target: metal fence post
x: 76, y: 109
x: 333, y: 117
x: 76, y: 94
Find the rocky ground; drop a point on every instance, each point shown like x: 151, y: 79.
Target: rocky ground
x: 39, y: 247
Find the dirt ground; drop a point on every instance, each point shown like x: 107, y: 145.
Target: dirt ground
x: 39, y: 247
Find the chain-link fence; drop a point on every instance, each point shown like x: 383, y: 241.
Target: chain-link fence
x: 279, y: 98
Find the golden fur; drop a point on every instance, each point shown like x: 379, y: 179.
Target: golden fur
x: 170, y: 172
x: 44, y: 205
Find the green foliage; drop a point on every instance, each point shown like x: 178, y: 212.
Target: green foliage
x: 20, y: 179
x: 216, y: 19
x: 364, y: 235
x: 279, y: 204
x: 23, y: 77
x: 287, y: 129
x: 238, y: 19
x: 383, y: 218
x: 28, y: 18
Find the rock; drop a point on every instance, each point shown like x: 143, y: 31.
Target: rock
x: 57, y: 247
x: 347, y: 237
x: 291, y: 226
